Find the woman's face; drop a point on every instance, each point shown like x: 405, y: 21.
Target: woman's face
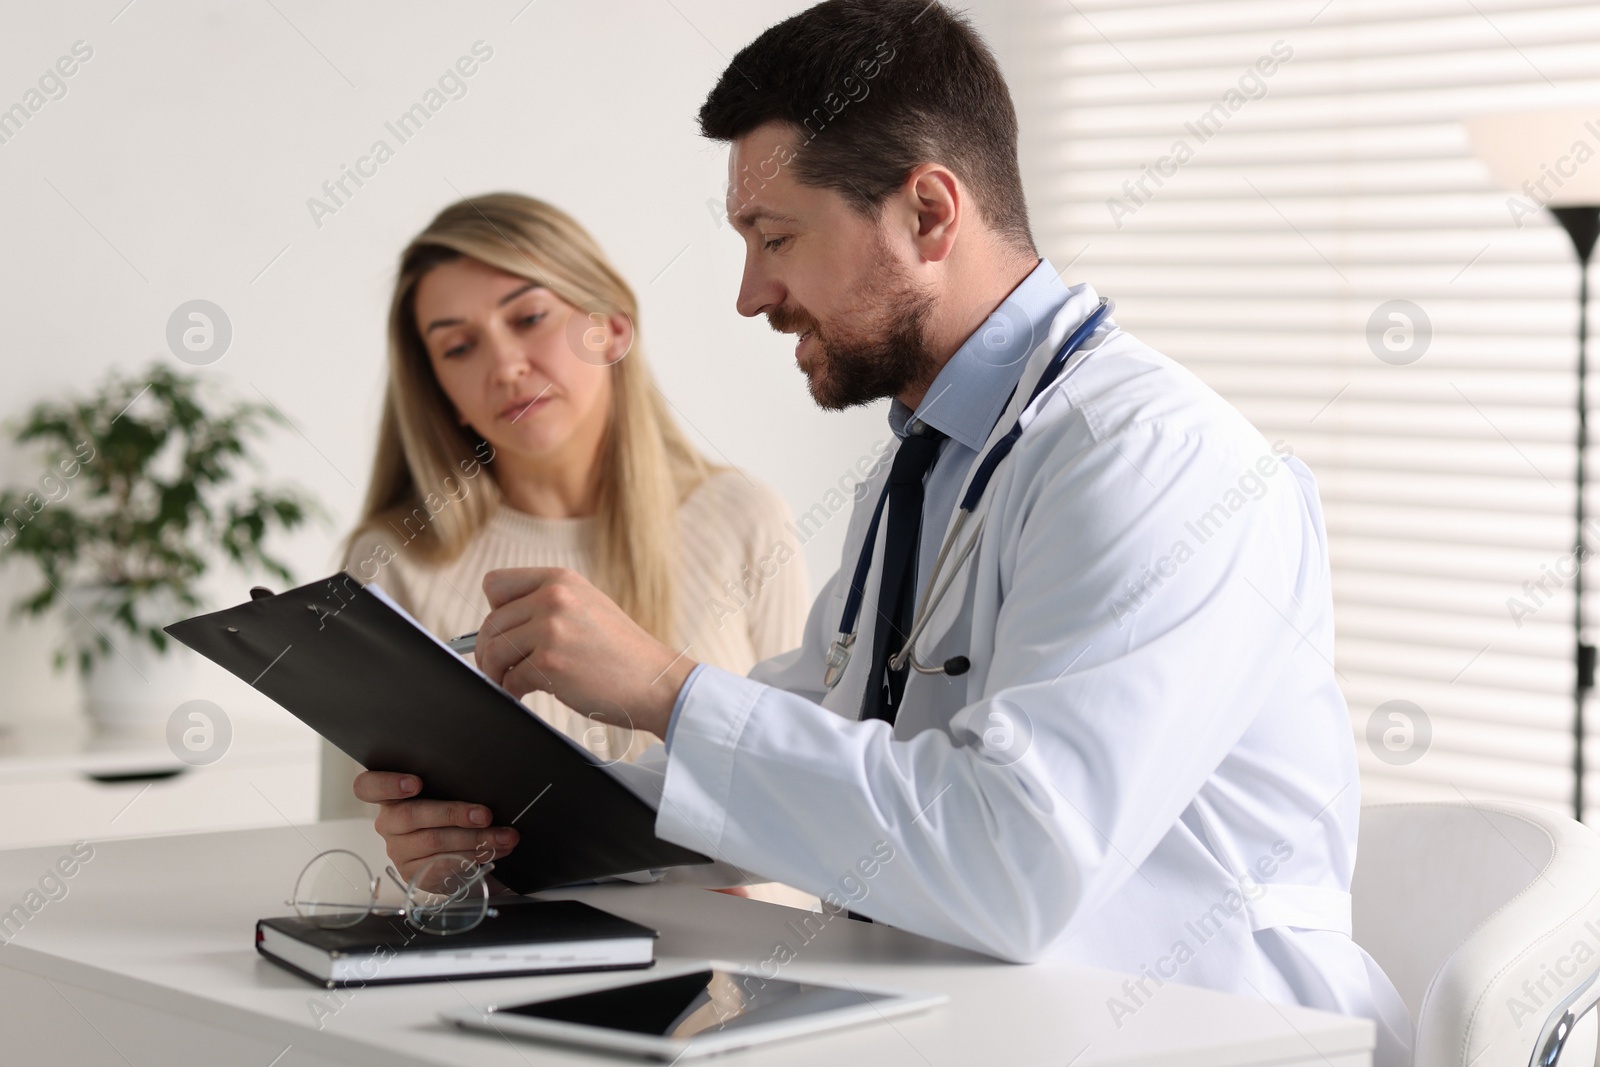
x: 524, y: 368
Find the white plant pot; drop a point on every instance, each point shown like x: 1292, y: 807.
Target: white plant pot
x: 136, y: 688
x: 132, y: 688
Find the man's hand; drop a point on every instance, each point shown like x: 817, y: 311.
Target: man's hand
x: 553, y: 631
x: 416, y: 830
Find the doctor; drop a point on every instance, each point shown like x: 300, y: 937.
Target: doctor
x: 1104, y: 727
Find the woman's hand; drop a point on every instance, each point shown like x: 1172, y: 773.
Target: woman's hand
x: 553, y: 631
x: 415, y: 830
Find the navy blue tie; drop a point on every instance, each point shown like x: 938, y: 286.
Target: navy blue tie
x: 897, y: 595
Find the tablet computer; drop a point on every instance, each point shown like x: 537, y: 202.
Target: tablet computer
x: 697, y: 1010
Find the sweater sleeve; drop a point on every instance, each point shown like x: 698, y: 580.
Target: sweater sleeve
x: 374, y: 560
x: 777, y: 617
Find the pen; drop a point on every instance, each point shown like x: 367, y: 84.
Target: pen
x: 465, y: 643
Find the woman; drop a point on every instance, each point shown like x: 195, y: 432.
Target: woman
x: 521, y: 428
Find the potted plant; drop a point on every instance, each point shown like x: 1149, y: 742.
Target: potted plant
x: 136, y: 504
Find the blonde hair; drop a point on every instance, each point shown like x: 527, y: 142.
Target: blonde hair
x: 647, y: 466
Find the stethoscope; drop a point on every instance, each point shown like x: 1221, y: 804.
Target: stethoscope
x: 933, y: 592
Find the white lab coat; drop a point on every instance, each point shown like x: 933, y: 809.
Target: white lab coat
x: 1149, y: 766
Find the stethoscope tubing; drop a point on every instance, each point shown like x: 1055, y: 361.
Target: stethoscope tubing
x: 933, y: 595
x: 932, y: 598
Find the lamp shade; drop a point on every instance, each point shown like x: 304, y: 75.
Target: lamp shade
x: 1551, y: 157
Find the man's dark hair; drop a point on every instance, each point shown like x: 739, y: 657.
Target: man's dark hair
x: 875, y: 88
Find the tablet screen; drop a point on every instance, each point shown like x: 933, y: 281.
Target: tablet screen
x: 697, y: 1003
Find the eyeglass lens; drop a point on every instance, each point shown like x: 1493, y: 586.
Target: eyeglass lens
x: 447, y: 895
x: 335, y: 890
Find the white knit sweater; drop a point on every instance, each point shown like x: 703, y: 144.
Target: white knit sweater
x: 743, y: 596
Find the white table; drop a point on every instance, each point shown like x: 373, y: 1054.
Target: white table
x: 61, y: 780
x: 148, y: 961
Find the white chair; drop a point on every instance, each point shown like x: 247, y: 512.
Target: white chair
x: 1487, y: 919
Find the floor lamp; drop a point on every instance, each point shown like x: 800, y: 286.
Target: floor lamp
x: 1551, y: 159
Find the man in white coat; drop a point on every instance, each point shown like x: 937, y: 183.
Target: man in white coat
x: 1130, y: 750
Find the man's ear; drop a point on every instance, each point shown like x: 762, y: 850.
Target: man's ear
x: 934, y: 204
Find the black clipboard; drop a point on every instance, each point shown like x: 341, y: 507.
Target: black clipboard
x: 390, y: 696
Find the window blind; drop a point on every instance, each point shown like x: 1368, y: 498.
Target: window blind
x: 1255, y: 182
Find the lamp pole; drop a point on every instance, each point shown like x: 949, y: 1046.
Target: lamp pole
x: 1518, y: 148
x: 1583, y: 226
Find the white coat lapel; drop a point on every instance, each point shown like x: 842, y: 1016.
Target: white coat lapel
x: 1074, y: 311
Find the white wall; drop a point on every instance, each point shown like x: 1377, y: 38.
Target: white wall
x: 179, y: 164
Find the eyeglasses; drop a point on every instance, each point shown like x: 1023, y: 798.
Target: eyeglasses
x: 447, y: 895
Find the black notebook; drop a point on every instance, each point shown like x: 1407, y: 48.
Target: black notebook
x: 350, y: 664
x: 524, y: 937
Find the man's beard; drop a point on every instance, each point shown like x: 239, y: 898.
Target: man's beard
x: 886, y: 355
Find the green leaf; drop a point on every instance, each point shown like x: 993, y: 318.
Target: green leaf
x: 119, y: 523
